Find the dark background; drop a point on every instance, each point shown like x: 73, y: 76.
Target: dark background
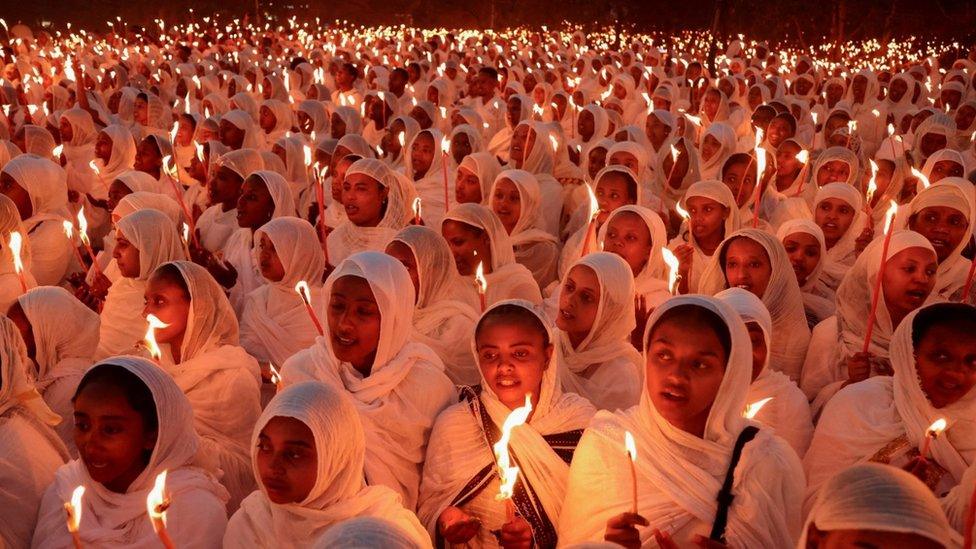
x: 801, y: 21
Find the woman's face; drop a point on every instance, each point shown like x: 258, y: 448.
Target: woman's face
x: 230, y: 135
x: 759, y: 348
x: 513, y: 111
x: 12, y: 190
x: 184, y: 133
x: 141, y: 113
x: 834, y: 216
x: 148, y: 158
x: 354, y: 322
x: 626, y: 159
x: 612, y: 192
x: 363, y: 199
x: 467, y: 187
x: 628, y: 236
x: 597, y: 161
x: 337, y: 127
x: 103, y: 147
x: 66, y: 131
x: 747, y: 266
x: 741, y: 182
x: 255, y: 207
x: 685, y: 367
x: 710, y: 104
x: 460, y: 146
x: 579, y: 302
x: 944, y: 227
x: 964, y: 117
x: 897, y: 90
x: 402, y: 253
x: 126, y: 256
x: 710, y: 147
x: 506, y: 202
x: 522, y: 142
x: 777, y: 131
x: 656, y: 131
x: 786, y: 161
x: 267, y: 119
x: 706, y: 218
x: 586, y: 125
x: 225, y: 186
x: 834, y: 171
x: 945, y: 168
x: 112, y: 439
x: 171, y: 305
x: 287, y: 460
x: 803, y: 250
x: 422, y: 154
x: 755, y: 97
x: 945, y: 360
x: 932, y: 142
x: 513, y: 359
x: 469, y: 246
x: 909, y: 278
x: 268, y: 260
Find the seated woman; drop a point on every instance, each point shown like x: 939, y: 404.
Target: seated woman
x: 10, y: 286
x: 61, y: 335
x: 398, y: 386
x: 837, y: 210
x: 698, y: 367
x: 638, y: 235
x: 787, y: 411
x: 595, y: 319
x: 227, y: 176
x: 712, y: 215
x: 126, y: 184
x: 144, y: 240
x: 835, y: 358
x: 446, y: 308
x: 31, y: 452
x: 132, y: 423
x: 756, y: 261
x: 514, y: 348
x: 427, y: 177
x: 307, y: 452
x: 804, y: 243
x: 475, y: 175
x: 516, y: 200
x: 870, y: 505
x: 275, y: 323
x: 199, y: 349
x: 885, y: 419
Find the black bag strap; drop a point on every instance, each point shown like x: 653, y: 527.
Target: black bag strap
x: 725, y: 495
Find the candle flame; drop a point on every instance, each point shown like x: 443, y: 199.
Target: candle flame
x: 275, y: 374
x: 760, y: 164
x: 479, y: 277
x: 416, y: 207
x: 753, y: 409
x: 851, y: 126
x: 169, y: 165
x: 302, y: 288
x: 672, y: 262
x: 890, y: 215
x: 401, y: 138
x: 631, y: 446
x: 94, y: 167
x: 937, y: 427
x: 872, y: 183
x: 186, y: 233
x: 891, y: 129
x: 156, y: 501
x: 507, y: 473
x: 73, y: 509
x: 760, y: 135
x: 555, y: 143
x: 803, y: 156
x: 445, y: 145
x: 16, y: 243
x: 69, y: 229
x: 876, y: 112
x: 151, y: 344
x: 308, y: 154
x: 82, y: 225
x: 56, y: 151
x: 594, y: 205
x: 921, y: 177
x: 199, y: 152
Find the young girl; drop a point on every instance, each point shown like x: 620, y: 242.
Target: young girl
x: 698, y: 366
x: 637, y: 235
x: 476, y: 236
x: 806, y: 247
x: 885, y: 418
x: 712, y: 215
x: 227, y: 176
x: 446, y: 305
x: 837, y: 211
x: 718, y: 143
x: 199, y: 350
x: 514, y: 349
x: 131, y: 424
x: 531, y: 151
x: 475, y: 175
x: 275, y: 324
x: 307, y: 452
x: 32, y: 452
x: 426, y: 174
x: 516, y: 200
x: 10, y: 287
x: 61, y: 335
x: 398, y: 386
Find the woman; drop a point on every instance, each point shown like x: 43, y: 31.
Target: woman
x: 446, y: 306
x: 475, y: 176
x: 199, y: 349
x: 275, y: 324
x: 477, y: 237
x: 685, y: 428
x: 837, y: 210
x: 33, y: 452
x: 718, y: 143
x: 595, y: 318
x: 398, y: 386
x: 10, y: 280
x: 516, y: 200
x: 219, y: 221
x: 806, y: 247
x: 422, y: 166
x: 531, y: 151
x: 131, y: 424
x: 712, y: 215
x: 457, y: 499
x: 885, y: 418
x: 307, y: 453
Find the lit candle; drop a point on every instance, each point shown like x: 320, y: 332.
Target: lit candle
x: 73, y: 511
x: 150, y: 339
x: 508, y: 473
x: 479, y: 277
x: 872, y: 188
x: 632, y: 453
x: 933, y: 432
x: 69, y: 232
x: 889, y: 218
x: 170, y: 168
x: 674, y: 163
x: 672, y: 262
x: 753, y: 409
x: 417, y: 219
x: 157, y: 503
x: 318, y: 177
x: 16, y: 243
x: 804, y: 158
x: 98, y: 174
x: 591, y: 226
x: 275, y: 376
x: 83, y: 235
x: 302, y: 288
x: 445, y: 147
x: 921, y: 177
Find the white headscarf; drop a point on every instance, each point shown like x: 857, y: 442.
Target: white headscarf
x: 534, y: 247
x: 651, y: 281
x: 486, y: 167
x: 818, y: 298
x: 841, y: 256
x: 365, y: 533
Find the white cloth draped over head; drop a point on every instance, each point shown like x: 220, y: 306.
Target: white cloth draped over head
x: 32, y: 451
x: 122, y: 158
x: 140, y: 200
x: 243, y: 161
x: 9, y: 280
x: 680, y: 474
x: 365, y: 532
x: 338, y: 492
x: 154, y: 234
x: 651, y: 281
x: 243, y: 121
x: 137, y: 181
x: 349, y: 238
x: 818, y: 298
x: 725, y: 135
x: 844, y: 155
x: 507, y: 279
x: 111, y: 519
x: 534, y: 247
x: 275, y: 324
x: 782, y: 298
x: 720, y: 193
x: 445, y: 312
x: 406, y: 387
x: 486, y: 167
x: 842, y: 254
x: 864, y: 417
x: 879, y: 498
x: 219, y: 378
x: 540, y: 162
x: 605, y: 368
x: 460, y: 450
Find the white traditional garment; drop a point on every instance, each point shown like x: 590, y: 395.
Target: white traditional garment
x: 540, y: 162
x: 446, y: 306
x: 338, y: 493
x: 45, y: 184
x: 818, y: 298
x: 460, y: 468
x: 506, y: 278
x: 870, y: 420
x: 196, y: 515
x: 364, y: 532
x: 842, y: 254
x: 79, y: 151
x: 434, y: 185
x: 31, y: 452
x: 782, y: 298
x: 651, y: 282
x: 534, y: 247
x: 349, y: 238
x: 123, y: 325
x: 877, y: 498
x: 243, y: 121
x: 216, y: 225
x: 840, y: 336
x: 486, y: 168
x: 679, y: 475
x: 406, y: 387
x: 605, y: 368
x: 121, y: 159
x: 276, y: 324
x: 720, y: 193
x: 788, y: 412
x: 725, y: 135
x: 10, y: 287
x: 219, y: 378
x: 65, y: 334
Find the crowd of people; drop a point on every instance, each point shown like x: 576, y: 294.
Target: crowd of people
x: 359, y: 287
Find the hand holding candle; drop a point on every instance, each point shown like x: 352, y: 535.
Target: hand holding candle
x: 302, y: 288
x: 73, y: 511
x: 157, y: 503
